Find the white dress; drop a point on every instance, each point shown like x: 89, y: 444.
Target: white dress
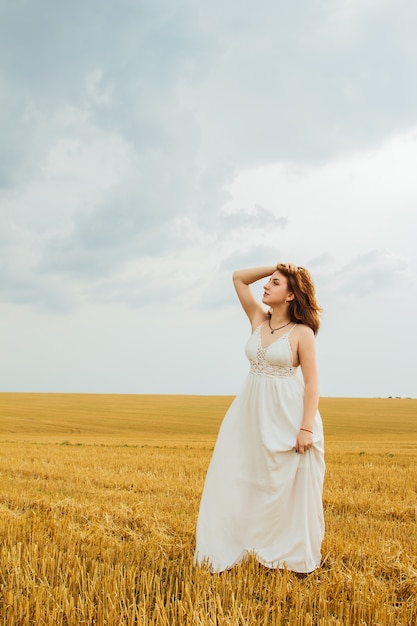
x: 260, y: 496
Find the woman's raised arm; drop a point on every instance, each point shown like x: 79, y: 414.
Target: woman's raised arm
x: 242, y: 279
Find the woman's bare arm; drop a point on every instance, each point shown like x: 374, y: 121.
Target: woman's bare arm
x: 242, y: 279
x: 307, y: 356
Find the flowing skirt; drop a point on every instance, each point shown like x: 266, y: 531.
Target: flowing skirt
x: 260, y: 496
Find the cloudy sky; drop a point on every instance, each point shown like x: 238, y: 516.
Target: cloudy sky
x: 150, y: 147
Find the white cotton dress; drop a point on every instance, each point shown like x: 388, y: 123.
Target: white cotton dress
x: 260, y: 496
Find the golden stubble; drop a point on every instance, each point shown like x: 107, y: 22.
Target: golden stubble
x: 98, y: 504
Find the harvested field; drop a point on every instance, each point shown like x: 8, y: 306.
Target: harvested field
x: 98, y: 504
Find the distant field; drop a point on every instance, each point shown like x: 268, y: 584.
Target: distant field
x: 127, y: 417
x: 98, y: 503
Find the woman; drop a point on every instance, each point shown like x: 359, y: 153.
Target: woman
x: 263, y: 489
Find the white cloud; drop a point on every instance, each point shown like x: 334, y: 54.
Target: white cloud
x: 343, y: 208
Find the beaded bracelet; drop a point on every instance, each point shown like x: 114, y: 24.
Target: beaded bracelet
x: 307, y: 431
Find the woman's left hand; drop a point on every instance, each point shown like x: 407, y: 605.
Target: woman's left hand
x: 304, y: 441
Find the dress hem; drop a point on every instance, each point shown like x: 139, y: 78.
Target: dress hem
x: 280, y: 565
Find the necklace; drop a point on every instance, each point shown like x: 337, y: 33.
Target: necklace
x: 279, y: 327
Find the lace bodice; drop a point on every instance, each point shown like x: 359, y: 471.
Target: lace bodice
x: 274, y: 360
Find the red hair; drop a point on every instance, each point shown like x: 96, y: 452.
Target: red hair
x: 304, y: 308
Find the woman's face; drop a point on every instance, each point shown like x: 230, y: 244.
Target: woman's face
x: 276, y: 289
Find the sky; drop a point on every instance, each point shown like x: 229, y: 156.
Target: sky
x: 151, y: 147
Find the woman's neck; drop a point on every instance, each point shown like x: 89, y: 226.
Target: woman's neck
x: 279, y: 316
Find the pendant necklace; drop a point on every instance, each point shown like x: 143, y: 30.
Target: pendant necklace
x: 279, y: 328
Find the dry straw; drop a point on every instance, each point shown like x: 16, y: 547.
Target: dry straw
x: 94, y: 531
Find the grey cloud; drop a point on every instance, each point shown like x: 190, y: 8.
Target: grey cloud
x: 309, y: 89
x: 250, y: 102
x: 247, y: 102
x: 101, y: 243
x: 257, y: 217
x: 50, y: 45
x: 321, y: 261
x: 24, y: 288
x: 199, y: 91
x: 372, y: 272
x: 252, y: 257
x: 48, y: 53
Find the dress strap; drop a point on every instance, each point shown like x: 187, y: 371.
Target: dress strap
x: 291, y: 329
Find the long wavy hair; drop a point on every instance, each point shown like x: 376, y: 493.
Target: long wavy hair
x: 304, y: 308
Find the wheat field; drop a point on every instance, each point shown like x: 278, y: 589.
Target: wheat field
x: 98, y: 503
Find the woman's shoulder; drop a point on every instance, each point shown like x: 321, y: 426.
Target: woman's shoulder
x: 303, y: 331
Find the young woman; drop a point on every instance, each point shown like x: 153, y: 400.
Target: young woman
x: 263, y: 489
